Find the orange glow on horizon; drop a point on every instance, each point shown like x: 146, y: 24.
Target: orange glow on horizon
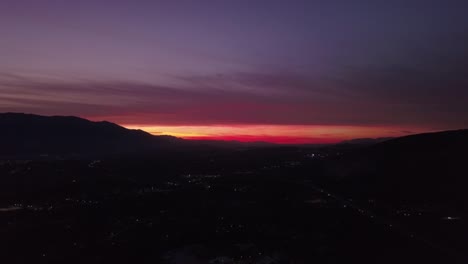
x: 284, y: 134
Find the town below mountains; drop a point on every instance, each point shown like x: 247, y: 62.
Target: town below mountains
x: 76, y: 191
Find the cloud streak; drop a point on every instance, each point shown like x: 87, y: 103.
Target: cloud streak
x: 417, y: 84
x: 373, y: 96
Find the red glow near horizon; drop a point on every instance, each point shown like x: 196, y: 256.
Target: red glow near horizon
x: 281, y: 134
x: 270, y: 139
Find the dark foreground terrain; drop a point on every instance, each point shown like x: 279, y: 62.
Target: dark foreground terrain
x: 399, y: 201
x: 242, y: 207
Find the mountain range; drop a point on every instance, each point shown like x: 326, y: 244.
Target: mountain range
x: 429, y: 167
x: 28, y: 135
x: 33, y: 135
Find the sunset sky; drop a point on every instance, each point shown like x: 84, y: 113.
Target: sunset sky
x: 252, y: 70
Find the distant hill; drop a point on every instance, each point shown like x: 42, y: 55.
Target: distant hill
x: 427, y: 143
x: 27, y: 135
x: 430, y: 166
x: 365, y: 141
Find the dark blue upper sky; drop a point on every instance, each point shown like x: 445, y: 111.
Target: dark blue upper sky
x: 370, y: 62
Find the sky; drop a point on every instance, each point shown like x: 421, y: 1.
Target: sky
x: 286, y: 71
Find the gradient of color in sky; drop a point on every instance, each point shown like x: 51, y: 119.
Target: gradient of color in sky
x: 283, y: 71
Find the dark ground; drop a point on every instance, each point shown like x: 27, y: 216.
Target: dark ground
x: 268, y: 205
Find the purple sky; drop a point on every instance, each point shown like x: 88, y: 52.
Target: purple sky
x: 360, y: 63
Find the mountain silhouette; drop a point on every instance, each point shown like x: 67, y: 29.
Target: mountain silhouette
x: 422, y: 167
x: 27, y: 135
